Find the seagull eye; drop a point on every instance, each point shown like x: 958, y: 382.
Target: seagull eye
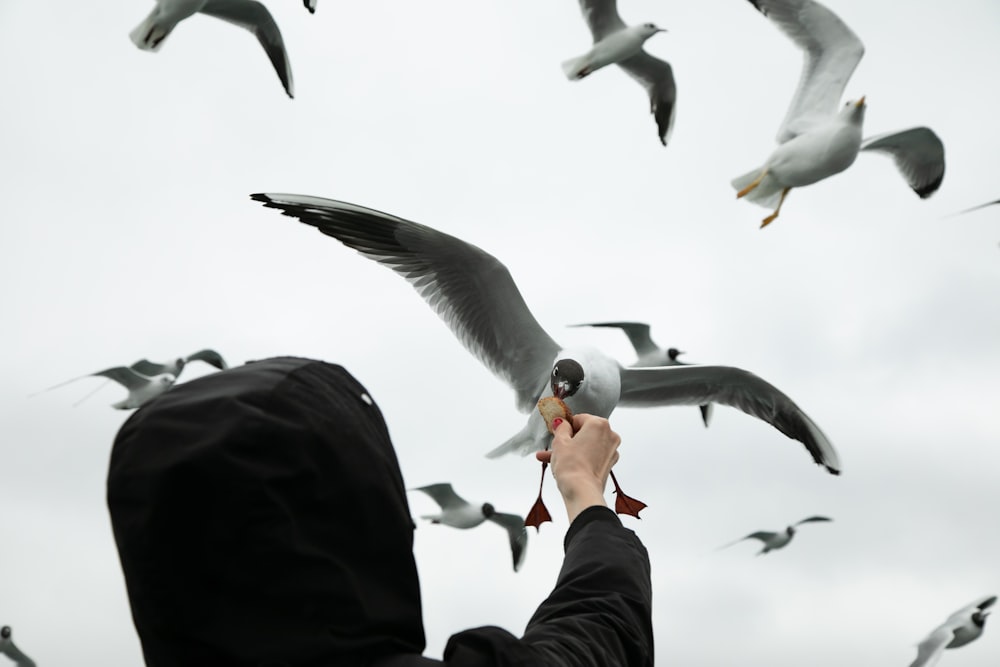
x: 555, y: 371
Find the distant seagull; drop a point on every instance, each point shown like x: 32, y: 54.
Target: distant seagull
x: 253, y: 16
x: 175, y: 366
x: 141, y: 389
x: 8, y: 649
x: 458, y: 513
x: 618, y: 44
x: 815, y: 141
x: 650, y: 354
x: 774, y: 541
x: 476, y: 297
x: 962, y: 627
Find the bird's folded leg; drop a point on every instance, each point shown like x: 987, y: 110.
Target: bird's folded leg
x: 769, y: 219
x: 625, y: 504
x: 753, y: 184
x: 538, y: 514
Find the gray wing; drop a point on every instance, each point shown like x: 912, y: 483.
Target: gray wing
x: 601, y: 17
x: 443, y: 495
x: 125, y: 376
x: 254, y: 17
x: 148, y: 368
x: 831, y: 50
x: 657, y: 77
x: 814, y: 518
x: 918, y: 154
x: 761, y: 535
x: 516, y: 532
x: 210, y: 357
x: 637, y: 332
x: 929, y: 651
x: 698, y: 385
x: 467, y: 287
x: 310, y: 5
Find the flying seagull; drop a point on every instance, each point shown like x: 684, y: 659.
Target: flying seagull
x: 774, y: 541
x: 458, y: 513
x: 815, y: 141
x: 8, y: 649
x: 175, y: 366
x: 962, y: 627
x: 141, y: 388
x: 619, y: 44
x: 650, y: 354
x: 253, y: 16
x: 476, y: 297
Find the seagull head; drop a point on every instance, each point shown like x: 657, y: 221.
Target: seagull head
x: 488, y: 510
x: 979, y: 617
x: 567, y: 377
x: 647, y: 30
x: 165, y: 379
x: 791, y: 531
x: 854, y: 110
x: 5, y: 632
x: 673, y: 353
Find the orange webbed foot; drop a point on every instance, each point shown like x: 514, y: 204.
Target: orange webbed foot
x: 626, y: 504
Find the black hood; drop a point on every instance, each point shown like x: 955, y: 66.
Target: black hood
x: 261, y: 519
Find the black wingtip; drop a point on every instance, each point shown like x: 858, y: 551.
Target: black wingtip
x: 927, y: 190
x: 757, y: 6
x: 831, y: 470
x: 261, y: 197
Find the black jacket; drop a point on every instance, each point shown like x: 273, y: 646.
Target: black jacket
x: 261, y: 519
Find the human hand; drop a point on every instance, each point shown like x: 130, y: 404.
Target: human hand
x: 581, y: 457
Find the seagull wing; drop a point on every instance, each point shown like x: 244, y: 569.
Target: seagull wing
x: 814, y: 518
x: 657, y: 77
x: 762, y: 535
x: 698, y: 385
x: 467, y: 287
x: 254, y: 17
x: 516, y: 532
x: 310, y: 5
x: 832, y: 52
x: 929, y: 651
x: 601, y: 17
x: 979, y: 605
x: 976, y: 208
x: 637, y: 332
x: 919, y: 156
x: 148, y: 368
x: 443, y: 495
x: 210, y: 357
x: 125, y: 376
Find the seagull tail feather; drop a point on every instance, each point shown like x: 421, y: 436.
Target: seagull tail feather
x: 767, y: 194
x: 576, y: 68
x: 149, y: 34
x: 522, y: 442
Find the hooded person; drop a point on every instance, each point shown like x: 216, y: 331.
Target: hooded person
x: 261, y: 519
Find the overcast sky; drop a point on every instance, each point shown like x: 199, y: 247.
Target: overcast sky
x: 128, y: 232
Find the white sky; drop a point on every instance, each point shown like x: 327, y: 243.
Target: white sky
x: 128, y: 232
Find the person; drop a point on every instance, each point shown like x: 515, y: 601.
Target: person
x: 261, y: 519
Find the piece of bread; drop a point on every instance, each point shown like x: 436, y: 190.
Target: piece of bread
x: 551, y: 408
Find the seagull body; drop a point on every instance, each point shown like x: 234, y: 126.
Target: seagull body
x: 477, y: 298
x: 962, y: 627
x: 175, y: 366
x: 458, y: 513
x: 618, y: 44
x: 8, y: 649
x: 248, y: 14
x: 814, y: 141
x: 141, y: 388
x: 778, y: 540
x: 649, y: 353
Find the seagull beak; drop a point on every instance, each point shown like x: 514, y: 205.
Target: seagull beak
x: 860, y: 103
x: 559, y: 390
x: 661, y: 30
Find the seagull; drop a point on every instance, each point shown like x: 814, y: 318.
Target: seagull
x: 8, y: 649
x: 141, y: 388
x: 962, y: 627
x: 174, y: 367
x: 774, y: 541
x: 616, y: 43
x: 458, y: 513
x: 474, y: 294
x: 253, y: 16
x: 650, y: 354
x: 815, y: 141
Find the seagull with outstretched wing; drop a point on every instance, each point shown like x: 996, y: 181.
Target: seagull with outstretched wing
x: 618, y: 44
x: 816, y: 141
x: 962, y: 627
x: 776, y: 540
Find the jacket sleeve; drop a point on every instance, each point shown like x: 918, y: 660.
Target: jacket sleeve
x: 599, y: 613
